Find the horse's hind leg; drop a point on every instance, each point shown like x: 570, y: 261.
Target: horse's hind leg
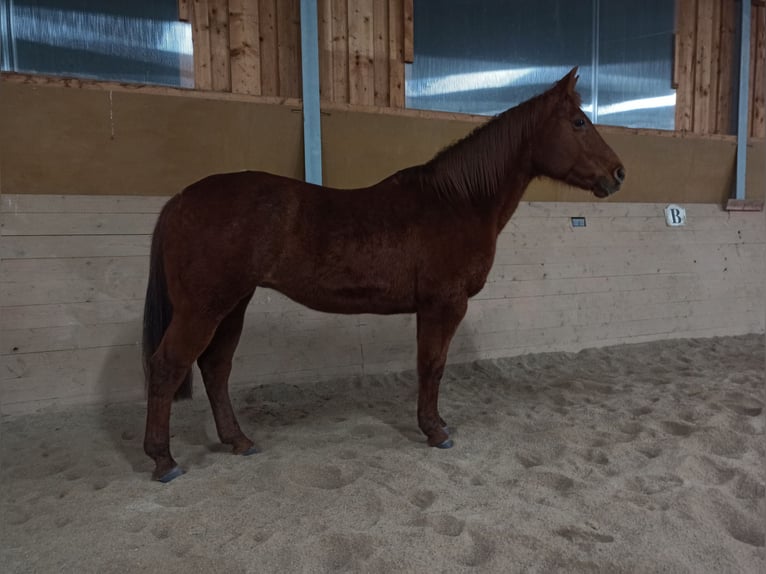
x: 215, y: 364
x: 436, y: 325
x: 184, y: 340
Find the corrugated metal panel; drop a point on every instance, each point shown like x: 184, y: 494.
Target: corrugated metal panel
x: 636, y: 64
x: 138, y: 41
x: 484, y: 57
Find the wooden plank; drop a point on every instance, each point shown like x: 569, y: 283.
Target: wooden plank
x: 60, y: 374
x: 360, y: 53
x: 575, y: 337
x: 220, y: 60
x: 267, y: 20
x: 324, y: 13
x: 203, y: 75
x: 74, y: 246
x: 83, y: 269
x: 114, y: 287
x: 736, y: 260
x: 340, y: 77
x: 547, y: 209
x: 28, y: 282
x: 245, y: 47
x: 516, y: 330
x: 183, y: 10
x: 751, y: 73
x: 409, y: 31
x: 396, y: 53
x: 123, y: 204
x: 726, y: 65
x: 289, y: 48
x: 702, y: 62
x: 63, y: 314
x: 70, y: 338
x: 715, y: 57
x: 692, y: 258
x: 682, y: 284
x: 758, y: 79
x: 78, y: 224
x: 380, y: 52
x: 632, y: 239
x: 685, y: 56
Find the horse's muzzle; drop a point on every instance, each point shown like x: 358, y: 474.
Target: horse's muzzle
x: 609, y: 186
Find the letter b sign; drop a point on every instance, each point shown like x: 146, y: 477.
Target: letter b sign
x: 675, y: 215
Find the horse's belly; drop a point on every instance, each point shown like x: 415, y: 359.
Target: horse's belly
x: 351, y: 299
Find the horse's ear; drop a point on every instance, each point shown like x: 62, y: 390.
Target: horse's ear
x: 568, y: 82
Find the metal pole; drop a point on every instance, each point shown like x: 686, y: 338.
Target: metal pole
x: 595, y: 61
x: 744, y: 77
x: 312, y: 126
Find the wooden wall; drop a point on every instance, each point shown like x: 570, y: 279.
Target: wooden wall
x: 253, y: 47
x: 73, y: 273
x: 99, y: 138
x: 707, y: 66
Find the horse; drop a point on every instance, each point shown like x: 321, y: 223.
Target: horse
x: 420, y: 241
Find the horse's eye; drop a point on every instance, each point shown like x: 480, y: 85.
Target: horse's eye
x: 579, y: 122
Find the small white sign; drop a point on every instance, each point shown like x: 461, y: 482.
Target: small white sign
x: 675, y: 215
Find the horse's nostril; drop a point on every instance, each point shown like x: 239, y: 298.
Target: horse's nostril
x: 619, y: 174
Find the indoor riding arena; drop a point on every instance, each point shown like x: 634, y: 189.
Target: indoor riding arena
x: 474, y: 287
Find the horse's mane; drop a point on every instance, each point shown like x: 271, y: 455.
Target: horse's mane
x: 474, y: 168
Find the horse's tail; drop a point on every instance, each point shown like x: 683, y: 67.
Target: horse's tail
x: 158, y: 310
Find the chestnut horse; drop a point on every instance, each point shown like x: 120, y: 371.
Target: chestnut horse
x: 420, y: 241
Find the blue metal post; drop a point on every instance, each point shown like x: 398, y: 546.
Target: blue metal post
x: 312, y: 125
x: 595, y: 56
x: 744, y: 77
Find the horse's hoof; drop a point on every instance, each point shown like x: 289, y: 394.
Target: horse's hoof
x: 251, y: 450
x: 446, y: 444
x: 174, y: 473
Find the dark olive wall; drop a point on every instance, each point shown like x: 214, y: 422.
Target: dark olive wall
x: 64, y: 140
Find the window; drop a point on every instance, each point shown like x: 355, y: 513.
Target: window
x: 137, y: 41
x: 484, y: 57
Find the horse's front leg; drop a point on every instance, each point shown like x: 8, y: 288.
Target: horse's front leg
x: 436, y: 324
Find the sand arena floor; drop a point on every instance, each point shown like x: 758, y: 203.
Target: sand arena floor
x: 639, y: 458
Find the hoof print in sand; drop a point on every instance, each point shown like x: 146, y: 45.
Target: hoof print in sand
x: 584, y: 536
x: 423, y: 499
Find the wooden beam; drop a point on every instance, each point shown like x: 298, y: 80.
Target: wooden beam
x: 326, y: 88
x: 380, y: 52
x: 409, y: 31
x: 751, y: 73
x: 220, y: 60
x: 715, y: 61
x: 267, y: 20
x: 183, y: 10
x: 396, y: 53
x: 702, y: 60
x: 744, y: 205
x: 203, y: 79
x: 758, y: 77
x: 289, y: 48
x: 340, y: 50
x: 726, y: 61
x: 686, y: 17
x: 360, y: 53
x: 244, y: 47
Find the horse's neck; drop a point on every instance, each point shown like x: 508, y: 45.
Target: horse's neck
x: 507, y: 201
x: 517, y: 172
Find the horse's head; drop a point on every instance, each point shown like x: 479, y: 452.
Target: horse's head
x: 567, y: 146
